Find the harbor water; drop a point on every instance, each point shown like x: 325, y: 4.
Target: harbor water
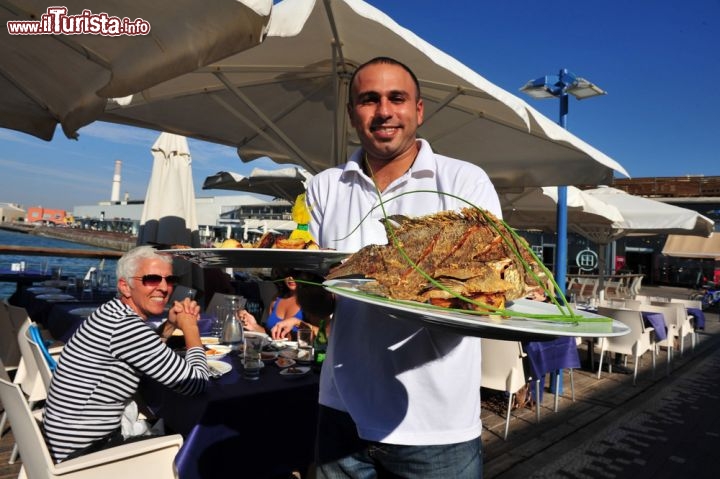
x: 69, y: 267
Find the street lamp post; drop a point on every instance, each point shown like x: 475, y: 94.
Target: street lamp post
x: 559, y: 86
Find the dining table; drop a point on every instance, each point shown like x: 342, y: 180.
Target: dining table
x: 22, y: 278
x: 551, y: 356
x: 262, y: 428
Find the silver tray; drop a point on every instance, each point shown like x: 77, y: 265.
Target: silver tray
x: 306, y: 259
x: 512, y: 328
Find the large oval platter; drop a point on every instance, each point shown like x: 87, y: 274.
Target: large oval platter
x: 514, y: 327
x: 305, y: 259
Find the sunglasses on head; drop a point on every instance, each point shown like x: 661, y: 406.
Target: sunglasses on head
x: 154, y: 280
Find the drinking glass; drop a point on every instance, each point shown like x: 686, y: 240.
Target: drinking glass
x: 252, y: 356
x: 305, y: 344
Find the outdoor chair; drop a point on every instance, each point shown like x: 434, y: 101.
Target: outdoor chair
x: 502, y: 370
x: 9, y: 351
x: 683, y: 323
x: 635, y: 343
x: 148, y: 458
x: 45, y: 362
x: 669, y: 316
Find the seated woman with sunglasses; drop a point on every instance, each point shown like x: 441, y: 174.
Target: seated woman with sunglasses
x: 101, y: 365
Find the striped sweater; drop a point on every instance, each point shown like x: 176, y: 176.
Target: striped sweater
x: 99, y: 371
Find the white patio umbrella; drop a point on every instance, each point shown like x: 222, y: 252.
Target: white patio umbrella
x: 169, y: 215
x: 66, y: 78
x: 285, y: 183
x: 536, y: 208
x: 693, y: 246
x: 286, y: 99
x: 640, y: 216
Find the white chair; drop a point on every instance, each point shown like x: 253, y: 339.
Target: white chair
x: 683, y: 322
x: 9, y: 351
x: 148, y: 458
x: 636, y: 343
x: 689, y: 303
x: 502, y: 370
x: 669, y: 316
x: 634, y: 304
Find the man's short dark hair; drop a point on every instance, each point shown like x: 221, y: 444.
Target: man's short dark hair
x: 387, y: 61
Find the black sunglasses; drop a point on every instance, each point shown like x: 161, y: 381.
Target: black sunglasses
x: 154, y: 280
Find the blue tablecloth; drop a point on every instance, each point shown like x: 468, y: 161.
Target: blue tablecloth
x: 550, y: 356
x: 657, y: 321
x: 240, y: 428
x: 698, y: 317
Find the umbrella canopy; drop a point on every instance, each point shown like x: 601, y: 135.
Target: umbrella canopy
x: 286, y: 183
x: 693, y: 246
x: 536, y: 208
x: 286, y: 99
x: 640, y: 216
x: 169, y: 215
x: 66, y: 78
x: 643, y: 216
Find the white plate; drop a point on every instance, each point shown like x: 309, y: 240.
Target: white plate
x: 295, y: 372
x: 44, y: 290
x: 293, y: 354
x: 56, y: 297
x: 308, y: 259
x: 282, y: 362
x: 268, y: 355
x: 221, y: 367
x: 85, y: 312
x: 513, y: 328
x: 217, y: 351
x: 266, y: 338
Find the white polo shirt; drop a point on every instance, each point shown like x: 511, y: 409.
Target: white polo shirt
x: 400, y: 382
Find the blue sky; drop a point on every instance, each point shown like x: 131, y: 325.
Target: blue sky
x: 657, y: 59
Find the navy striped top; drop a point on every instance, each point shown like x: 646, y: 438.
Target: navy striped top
x: 99, y: 372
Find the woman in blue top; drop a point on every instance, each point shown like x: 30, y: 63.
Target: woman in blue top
x: 284, y: 307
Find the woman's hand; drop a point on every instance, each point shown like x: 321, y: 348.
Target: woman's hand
x: 283, y: 328
x: 249, y: 322
x: 184, y: 312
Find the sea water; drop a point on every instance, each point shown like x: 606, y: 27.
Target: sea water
x: 70, y: 267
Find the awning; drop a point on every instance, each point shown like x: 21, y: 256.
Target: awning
x: 693, y: 246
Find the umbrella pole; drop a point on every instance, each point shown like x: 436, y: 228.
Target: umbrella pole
x: 601, y: 267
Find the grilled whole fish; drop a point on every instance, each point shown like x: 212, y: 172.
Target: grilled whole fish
x: 463, y: 251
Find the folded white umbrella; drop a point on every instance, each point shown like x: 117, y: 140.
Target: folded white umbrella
x: 67, y: 78
x: 286, y: 99
x: 169, y: 216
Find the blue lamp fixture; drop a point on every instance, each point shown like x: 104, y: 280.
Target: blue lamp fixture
x: 559, y: 86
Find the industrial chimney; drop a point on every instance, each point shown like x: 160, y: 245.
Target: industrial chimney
x: 115, y: 195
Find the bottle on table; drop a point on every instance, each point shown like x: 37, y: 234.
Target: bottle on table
x: 320, y: 344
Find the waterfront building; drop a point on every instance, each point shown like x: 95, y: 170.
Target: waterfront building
x: 10, y: 212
